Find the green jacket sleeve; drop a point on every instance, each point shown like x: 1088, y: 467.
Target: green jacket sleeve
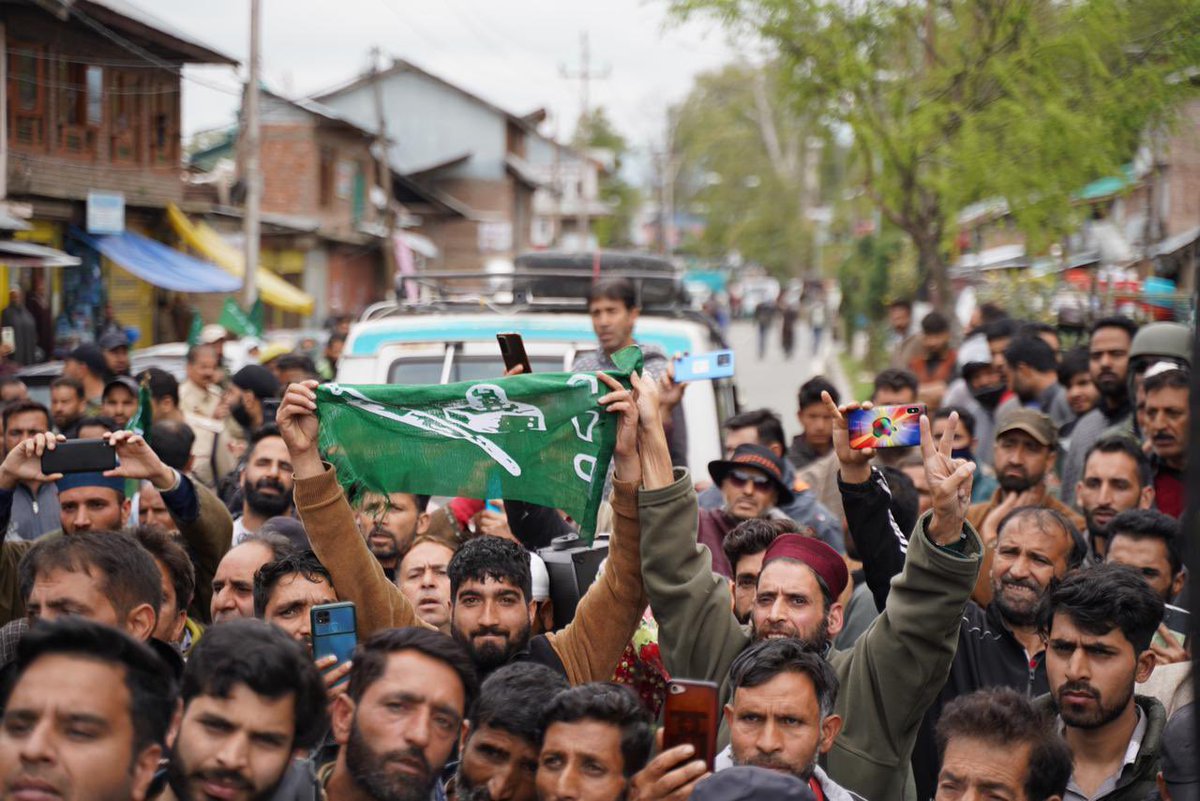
x: 899, y: 666
x: 697, y: 632
x: 209, y: 537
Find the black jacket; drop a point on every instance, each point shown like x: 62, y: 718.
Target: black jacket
x: 988, y: 654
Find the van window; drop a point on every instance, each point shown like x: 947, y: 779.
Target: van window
x: 416, y: 371
x: 479, y: 368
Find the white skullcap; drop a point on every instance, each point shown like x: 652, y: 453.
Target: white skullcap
x: 541, y: 578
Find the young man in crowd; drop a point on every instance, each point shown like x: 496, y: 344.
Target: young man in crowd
x: 86, y: 365
x: 198, y: 394
x: 120, y: 400
x: 965, y: 446
x: 763, y: 427
x: 1098, y: 624
x: 178, y: 585
x: 499, y: 752
x: 1167, y: 414
x: 798, y: 586
x: 267, y: 482
x: 286, y: 589
x: 115, y: 347
x: 86, y: 716
x: 67, y: 405
x: 781, y: 716
x: 390, y: 523
x: 1149, y: 542
x: 816, y: 440
x: 1074, y: 374
x: 233, y: 580
x: 1116, y: 478
x: 251, y: 701
x: 999, y: 334
x: 33, y: 506
x: 404, y: 711
x: 1108, y: 352
x: 744, y: 548
x: 994, y: 744
x: 596, y: 738
x: 424, y: 579
x: 935, y: 364
x: 1033, y: 378
x: 491, y: 601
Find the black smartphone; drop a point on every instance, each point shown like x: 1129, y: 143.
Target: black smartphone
x: 334, y: 631
x: 512, y: 348
x: 692, y: 715
x: 270, y: 408
x: 79, y: 456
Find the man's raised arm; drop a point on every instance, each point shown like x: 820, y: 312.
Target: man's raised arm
x: 329, y: 522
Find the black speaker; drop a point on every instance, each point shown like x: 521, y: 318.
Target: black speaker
x: 573, y: 567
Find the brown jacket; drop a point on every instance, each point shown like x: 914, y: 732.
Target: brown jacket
x: 979, y: 512
x: 589, y: 647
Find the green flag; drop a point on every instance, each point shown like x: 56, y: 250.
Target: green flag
x: 140, y: 424
x: 236, y: 321
x: 540, y: 438
x: 197, y: 326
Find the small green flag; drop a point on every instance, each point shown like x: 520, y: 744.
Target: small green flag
x: 540, y: 438
x: 140, y: 424
x: 236, y: 321
x: 258, y: 316
x: 193, y: 338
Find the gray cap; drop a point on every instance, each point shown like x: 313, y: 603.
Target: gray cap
x: 752, y: 784
x: 113, y: 340
x: 1180, y: 761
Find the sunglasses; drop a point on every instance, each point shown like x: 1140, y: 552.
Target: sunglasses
x: 759, y: 480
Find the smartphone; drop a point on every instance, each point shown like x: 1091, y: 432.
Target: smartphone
x: 270, y: 408
x: 512, y: 348
x: 691, y: 716
x: 8, y: 336
x: 334, y: 631
x: 704, y: 366
x: 1178, y: 621
x: 79, y: 456
x: 886, y: 426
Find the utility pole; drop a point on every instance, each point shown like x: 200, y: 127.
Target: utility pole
x: 383, y: 169
x: 250, y: 156
x: 585, y: 75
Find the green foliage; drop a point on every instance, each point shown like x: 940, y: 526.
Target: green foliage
x: 751, y: 199
x: 596, y: 131
x: 955, y: 101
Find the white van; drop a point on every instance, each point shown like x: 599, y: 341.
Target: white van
x: 439, y: 347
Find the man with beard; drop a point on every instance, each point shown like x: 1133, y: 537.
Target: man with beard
x: 251, y: 386
x: 1098, y: 625
x: 1108, y: 353
x: 390, y: 523
x: 1116, y: 478
x: 491, y: 602
x: 251, y: 700
x: 67, y: 405
x: 86, y: 715
x: 233, y: 581
x: 267, y: 482
x: 796, y: 597
x: 781, y: 716
x: 402, y: 714
x: 597, y: 738
x: 744, y: 549
x: 499, y: 752
x: 1026, y: 443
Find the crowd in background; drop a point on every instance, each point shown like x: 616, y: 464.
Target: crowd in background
x: 997, y: 611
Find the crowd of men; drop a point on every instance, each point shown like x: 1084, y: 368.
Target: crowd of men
x: 993, y: 613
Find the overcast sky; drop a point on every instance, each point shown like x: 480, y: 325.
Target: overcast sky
x: 508, y: 51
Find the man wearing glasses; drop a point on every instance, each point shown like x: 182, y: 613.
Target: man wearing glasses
x: 752, y: 485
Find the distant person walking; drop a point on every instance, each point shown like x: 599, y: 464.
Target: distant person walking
x: 764, y: 315
x: 787, y: 332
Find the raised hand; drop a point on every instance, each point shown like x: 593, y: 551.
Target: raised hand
x: 136, y: 460
x: 949, y: 482
x: 24, y: 462
x: 627, y: 404
x: 670, y: 776
x: 855, y: 464
x: 298, y: 425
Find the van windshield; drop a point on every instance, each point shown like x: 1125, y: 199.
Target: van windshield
x: 463, y: 368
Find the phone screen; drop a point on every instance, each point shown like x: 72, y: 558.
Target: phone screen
x: 886, y: 426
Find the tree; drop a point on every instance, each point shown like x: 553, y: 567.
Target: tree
x: 954, y: 101
x: 742, y: 152
x: 596, y: 132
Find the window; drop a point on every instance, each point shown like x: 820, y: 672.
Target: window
x: 79, y: 90
x: 27, y: 95
x: 125, y: 108
x: 163, y: 121
x: 326, y: 177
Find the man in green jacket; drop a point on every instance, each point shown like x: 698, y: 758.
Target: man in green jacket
x: 894, y: 671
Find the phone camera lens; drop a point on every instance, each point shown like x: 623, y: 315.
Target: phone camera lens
x: 322, y: 617
x: 913, y: 410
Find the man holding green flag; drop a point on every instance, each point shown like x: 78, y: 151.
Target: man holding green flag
x: 482, y: 425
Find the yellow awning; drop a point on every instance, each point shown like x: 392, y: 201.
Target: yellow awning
x: 274, y: 290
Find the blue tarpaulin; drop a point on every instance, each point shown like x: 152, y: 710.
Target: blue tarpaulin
x: 160, y: 265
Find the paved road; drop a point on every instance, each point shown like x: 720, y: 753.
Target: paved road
x: 774, y: 380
